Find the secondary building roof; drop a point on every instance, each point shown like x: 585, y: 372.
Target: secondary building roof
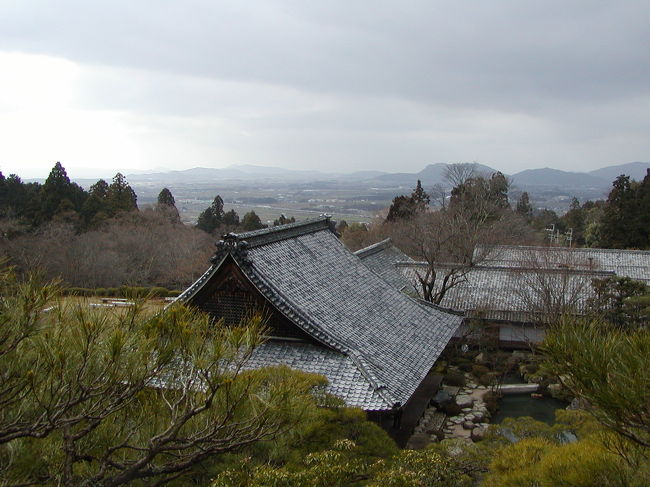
x: 514, y: 293
x: 381, y: 259
x: 628, y: 263
x: 373, y: 343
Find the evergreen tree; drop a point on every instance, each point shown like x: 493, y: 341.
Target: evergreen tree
x: 99, y: 189
x: 251, y: 222
x: 420, y: 198
x: 620, y: 228
x: 212, y: 217
x: 231, y: 218
x: 59, y: 195
x: 481, y: 198
x: 167, y: 205
x: 121, y: 196
x: 524, y: 208
x: 406, y: 207
x: 165, y: 197
x: 96, y: 209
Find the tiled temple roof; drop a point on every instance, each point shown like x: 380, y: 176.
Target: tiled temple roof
x: 628, y: 263
x: 387, y: 341
x: 381, y: 259
x: 514, y: 293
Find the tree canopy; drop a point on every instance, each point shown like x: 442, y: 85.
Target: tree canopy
x: 100, y: 398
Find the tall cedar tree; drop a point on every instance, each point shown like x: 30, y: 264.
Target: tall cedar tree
x: 166, y: 204
x: 626, y: 220
x: 407, y: 207
x: 212, y: 217
x: 121, y: 196
x: 59, y: 195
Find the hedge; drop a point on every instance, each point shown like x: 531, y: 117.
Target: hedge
x: 122, y: 292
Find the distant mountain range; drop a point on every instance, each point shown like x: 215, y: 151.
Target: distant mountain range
x: 432, y: 174
x: 563, y: 179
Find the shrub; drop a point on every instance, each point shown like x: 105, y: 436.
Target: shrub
x: 479, y: 370
x: 491, y: 401
x: 174, y: 293
x: 465, y: 366
x: 531, y: 368
x: 455, y: 379
x: 486, y: 379
x: 159, y: 292
x: 77, y: 291
x: 450, y: 408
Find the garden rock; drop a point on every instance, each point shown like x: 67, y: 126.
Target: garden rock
x: 464, y: 400
x: 478, y: 433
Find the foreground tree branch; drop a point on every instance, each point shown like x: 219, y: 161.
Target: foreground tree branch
x: 107, y: 398
x: 607, y: 367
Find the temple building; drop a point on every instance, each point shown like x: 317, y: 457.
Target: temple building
x: 328, y: 313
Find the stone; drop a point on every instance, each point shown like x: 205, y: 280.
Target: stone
x: 478, y: 416
x: 565, y: 437
x: 478, y: 433
x: 464, y: 400
x: 441, y: 397
x: 468, y: 425
x: 466, y: 410
x: 480, y: 358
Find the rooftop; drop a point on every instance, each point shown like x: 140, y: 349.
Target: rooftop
x: 627, y: 263
x: 384, y: 337
x: 381, y: 259
x: 515, y: 293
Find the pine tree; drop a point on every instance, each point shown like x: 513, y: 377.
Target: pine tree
x: 231, y: 218
x: 165, y: 197
x: 618, y: 217
x: 406, y: 207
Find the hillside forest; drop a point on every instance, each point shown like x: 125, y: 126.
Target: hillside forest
x: 100, y: 238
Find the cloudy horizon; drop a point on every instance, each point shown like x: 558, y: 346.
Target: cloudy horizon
x: 328, y: 86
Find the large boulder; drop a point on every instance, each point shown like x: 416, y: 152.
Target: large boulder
x: 441, y: 397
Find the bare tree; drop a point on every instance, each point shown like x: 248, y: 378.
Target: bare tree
x: 459, y: 173
x: 553, y: 283
x: 139, y: 248
x: 451, y: 241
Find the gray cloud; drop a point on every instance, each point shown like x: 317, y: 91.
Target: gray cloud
x: 363, y: 82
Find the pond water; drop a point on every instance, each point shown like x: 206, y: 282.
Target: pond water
x: 516, y: 405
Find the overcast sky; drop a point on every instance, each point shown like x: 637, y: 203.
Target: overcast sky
x: 328, y: 85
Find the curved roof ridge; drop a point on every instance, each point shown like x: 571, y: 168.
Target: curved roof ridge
x: 292, y: 312
x: 480, y: 267
x: 371, y: 249
x: 571, y: 249
x: 256, y: 238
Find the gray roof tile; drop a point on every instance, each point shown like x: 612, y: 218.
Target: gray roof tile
x: 514, y: 293
x: 381, y: 259
x: 628, y: 263
x: 391, y: 339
